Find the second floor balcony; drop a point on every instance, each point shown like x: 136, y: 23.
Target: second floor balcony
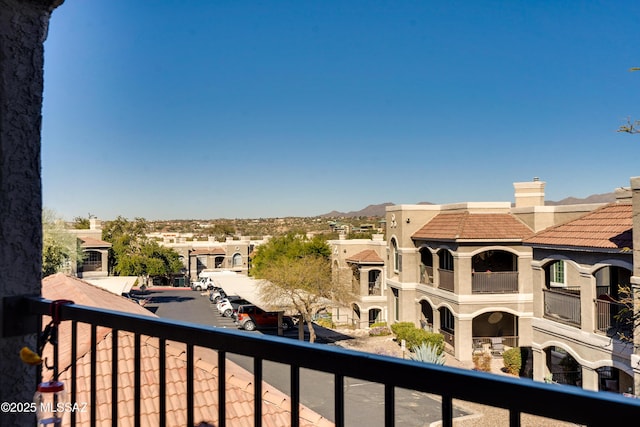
x: 563, y: 305
x: 498, y: 282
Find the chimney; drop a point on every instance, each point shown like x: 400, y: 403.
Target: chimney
x: 623, y: 194
x: 95, y: 223
x: 528, y: 194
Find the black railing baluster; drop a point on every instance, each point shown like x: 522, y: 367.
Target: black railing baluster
x: 93, y: 380
x: 162, y: 346
x: 514, y: 418
x: 257, y: 392
x: 137, y: 395
x: 222, y: 395
x: 74, y: 372
x: 447, y: 411
x: 295, y: 395
x: 389, y: 405
x: 114, y: 377
x: 190, y: 362
x: 536, y: 398
x: 339, y: 400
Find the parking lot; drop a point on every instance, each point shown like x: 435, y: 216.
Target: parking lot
x: 412, y: 409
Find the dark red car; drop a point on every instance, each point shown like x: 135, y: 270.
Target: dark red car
x: 250, y: 317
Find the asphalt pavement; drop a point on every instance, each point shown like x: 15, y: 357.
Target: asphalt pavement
x: 364, y: 401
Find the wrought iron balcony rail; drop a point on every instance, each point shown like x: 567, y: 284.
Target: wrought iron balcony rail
x: 496, y: 282
x: 513, y: 394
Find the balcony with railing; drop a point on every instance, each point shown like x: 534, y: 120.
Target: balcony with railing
x: 446, y: 280
x: 426, y: 274
x: 494, y: 282
x: 563, y: 305
x: 393, y: 374
x: 613, y: 319
x: 375, y: 287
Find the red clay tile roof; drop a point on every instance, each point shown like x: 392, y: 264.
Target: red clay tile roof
x: 466, y: 226
x: 239, y: 410
x: 368, y: 256
x: 608, y: 227
x: 90, y: 242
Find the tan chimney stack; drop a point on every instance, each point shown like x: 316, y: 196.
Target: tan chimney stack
x: 95, y: 223
x: 529, y: 194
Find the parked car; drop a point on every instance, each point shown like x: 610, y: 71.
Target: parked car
x: 216, y: 294
x: 251, y: 317
x: 202, y: 284
x: 226, y: 306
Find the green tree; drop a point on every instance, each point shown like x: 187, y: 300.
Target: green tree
x: 291, y: 245
x: 133, y: 254
x: 296, y: 275
x: 81, y: 223
x: 60, y: 248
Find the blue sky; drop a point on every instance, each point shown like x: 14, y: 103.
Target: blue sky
x: 246, y: 109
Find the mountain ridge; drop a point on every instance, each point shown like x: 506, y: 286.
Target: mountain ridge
x: 379, y: 210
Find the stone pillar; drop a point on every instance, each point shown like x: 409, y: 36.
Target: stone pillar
x: 540, y: 370
x: 463, y: 338
x: 23, y: 29
x: 589, y: 378
x: 463, y: 279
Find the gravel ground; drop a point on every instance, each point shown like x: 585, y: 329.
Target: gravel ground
x: 482, y: 416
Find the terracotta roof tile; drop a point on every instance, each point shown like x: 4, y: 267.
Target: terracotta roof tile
x: 467, y: 226
x: 90, y: 242
x: 608, y: 227
x: 368, y: 256
x: 239, y: 382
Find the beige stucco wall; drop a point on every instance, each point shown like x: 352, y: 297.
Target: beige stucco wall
x: 341, y: 250
x: 23, y: 29
x: 592, y: 350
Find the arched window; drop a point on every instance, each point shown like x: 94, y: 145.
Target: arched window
x: 396, y: 256
x: 237, y: 260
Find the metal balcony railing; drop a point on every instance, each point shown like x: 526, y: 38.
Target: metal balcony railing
x: 446, y: 280
x: 426, y: 274
x: 495, y: 282
x: 537, y: 398
x: 562, y: 305
x: 613, y: 319
x: 375, y: 288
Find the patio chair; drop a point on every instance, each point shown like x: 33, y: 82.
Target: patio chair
x: 497, y: 347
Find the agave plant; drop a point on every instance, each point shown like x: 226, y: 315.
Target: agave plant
x: 427, y: 353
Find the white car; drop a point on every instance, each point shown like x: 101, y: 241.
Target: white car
x: 202, y: 284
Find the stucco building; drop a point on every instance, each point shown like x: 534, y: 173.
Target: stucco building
x: 582, y: 271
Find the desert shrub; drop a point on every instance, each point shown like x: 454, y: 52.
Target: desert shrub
x: 428, y: 353
x: 325, y: 322
x: 400, y: 328
x: 512, y: 360
x: 414, y: 337
x: 482, y: 361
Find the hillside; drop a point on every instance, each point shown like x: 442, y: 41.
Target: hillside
x: 379, y: 210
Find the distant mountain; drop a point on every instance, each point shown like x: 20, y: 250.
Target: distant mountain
x: 369, y: 211
x: 380, y: 210
x: 594, y: 198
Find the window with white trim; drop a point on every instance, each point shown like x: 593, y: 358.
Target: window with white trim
x: 557, y: 275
